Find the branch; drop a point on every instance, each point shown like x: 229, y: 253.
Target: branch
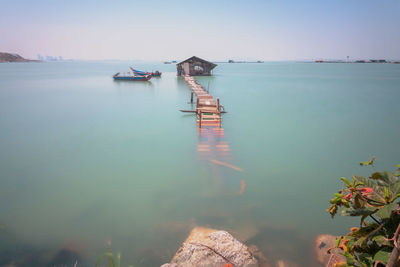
x: 373, y: 232
x: 374, y: 219
x: 395, y: 252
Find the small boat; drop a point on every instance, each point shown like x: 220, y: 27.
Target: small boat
x: 156, y: 74
x: 167, y: 62
x: 130, y: 77
x: 142, y: 73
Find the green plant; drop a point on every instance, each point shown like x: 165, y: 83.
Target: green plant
x: 375, y: 200
x: 110, y: 257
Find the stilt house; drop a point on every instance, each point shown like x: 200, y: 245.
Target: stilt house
x: 195, y: 66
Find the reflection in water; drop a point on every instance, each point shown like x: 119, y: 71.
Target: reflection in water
x: 213, y: 148
x: 138, y: 84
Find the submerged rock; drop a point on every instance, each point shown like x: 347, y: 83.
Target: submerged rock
x: 322, y: 244
x: 262, y: 260
x: 284, y: 263
x: 210, y: 247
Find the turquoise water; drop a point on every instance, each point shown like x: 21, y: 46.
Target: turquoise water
x: 87, y: 162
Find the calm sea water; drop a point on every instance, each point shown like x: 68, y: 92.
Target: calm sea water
x: 87, y: 162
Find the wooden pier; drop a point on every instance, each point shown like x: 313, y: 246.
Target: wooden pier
x: 208, y: 111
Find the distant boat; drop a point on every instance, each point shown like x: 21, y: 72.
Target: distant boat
x: 129, y: 77
x: 143, y: 73
x: 173, y: 61
x: 167, y: 62
x: 156, y: 73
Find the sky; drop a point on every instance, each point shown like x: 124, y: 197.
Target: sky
x: 269, y: 30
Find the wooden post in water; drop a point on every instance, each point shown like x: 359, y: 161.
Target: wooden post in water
x: 191, y: 97
x: 200, y: 117
x: 218, y: 105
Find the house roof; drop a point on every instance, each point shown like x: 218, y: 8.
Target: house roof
x: 194, y: 58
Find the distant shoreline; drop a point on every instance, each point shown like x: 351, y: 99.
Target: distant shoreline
x: 9, y: 58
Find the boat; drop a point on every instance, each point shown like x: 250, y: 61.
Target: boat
x: 156, y: 73
x: 142, y: 73
x: 129, y: 77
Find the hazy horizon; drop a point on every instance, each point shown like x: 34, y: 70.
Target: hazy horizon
x: 217, y: 31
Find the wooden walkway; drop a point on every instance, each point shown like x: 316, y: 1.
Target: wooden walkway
x: 208, y: 111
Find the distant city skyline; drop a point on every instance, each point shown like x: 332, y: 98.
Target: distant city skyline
x: 214, y: 30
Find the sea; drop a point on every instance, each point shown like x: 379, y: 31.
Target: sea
x: 90, y: 165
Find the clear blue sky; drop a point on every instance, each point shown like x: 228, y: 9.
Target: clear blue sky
x: 215, y: 30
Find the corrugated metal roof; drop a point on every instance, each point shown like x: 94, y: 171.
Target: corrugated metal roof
x: 197, y: 59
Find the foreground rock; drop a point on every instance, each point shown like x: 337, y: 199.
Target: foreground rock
x: 322, y: 244
x: 209, y: 247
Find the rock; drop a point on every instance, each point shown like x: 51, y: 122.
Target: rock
x: 262, y: 260
x: 284, y: 263
x: 283, y: 244
x: 166, y: 238
x: 210, y: 247
x: 244, y: 233
x: 322, y: 244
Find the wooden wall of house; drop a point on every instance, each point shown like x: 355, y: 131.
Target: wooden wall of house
x: 188, y: 68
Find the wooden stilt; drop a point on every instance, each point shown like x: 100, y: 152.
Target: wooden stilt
x: 200, y: 118
x: 191, y: 97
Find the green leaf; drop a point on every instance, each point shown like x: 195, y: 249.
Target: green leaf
x: 383, y: 255
x: 365, y: 181
x: 111, y: 259
x: 366, y: 259
x: 350, y: 244
x: 376, y: 176
x: 108, y: 254
x: 386, y: 193
x: 367, y: 163
x: 356, y: 212
x: 386, y: 211
x: 338, y: 240
x: 392, y: 179
x: 347, y: 182
x: 349, y: 258
x: 395, y: 197
x: 358, y: 202
x: 395, y: 188
x: 338, y: 195
x: 381, y: 240
x: 334, y: 200
x: 119, y: 260
x: 332, y: 210
x: 363, y: 218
